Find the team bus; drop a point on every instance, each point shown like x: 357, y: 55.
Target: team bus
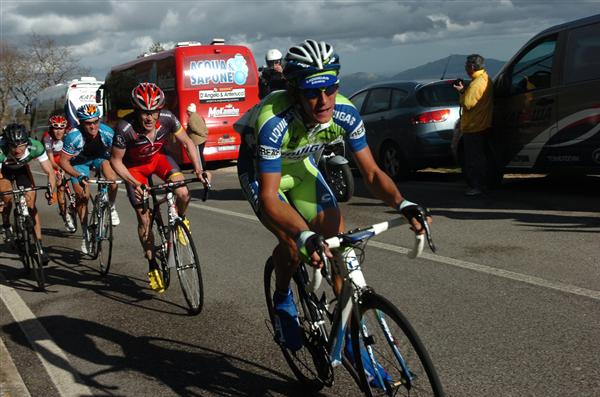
x: 547, y: 101
x: 64, y: 99
x: 221, y: 80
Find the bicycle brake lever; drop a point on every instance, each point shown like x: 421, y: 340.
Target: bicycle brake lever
x: 427, y: 232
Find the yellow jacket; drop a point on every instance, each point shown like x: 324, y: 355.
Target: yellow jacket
x: 476, y: 103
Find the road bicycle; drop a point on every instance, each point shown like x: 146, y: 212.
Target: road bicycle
x: 173, y: 243
x: 100, y: 226
x: 364, y: 332
x: 25, y: 240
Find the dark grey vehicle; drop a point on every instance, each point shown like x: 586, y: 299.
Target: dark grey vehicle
x: 409, y: 124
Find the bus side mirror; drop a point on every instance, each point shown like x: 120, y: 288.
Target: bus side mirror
x: 98, y: 96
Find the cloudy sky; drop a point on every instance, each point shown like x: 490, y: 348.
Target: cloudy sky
x: 371, y: 36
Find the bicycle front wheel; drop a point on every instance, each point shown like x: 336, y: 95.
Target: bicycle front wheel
x: 72, y: 208
x: 188, y: 267
x: 35, y: 252
x: 93, y: 230
x: 393, y: 360
x: 104, y: 240
x: 310, y: 364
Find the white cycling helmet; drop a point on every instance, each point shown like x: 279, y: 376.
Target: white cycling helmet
x: 273, y: 55
x: 308, y: 58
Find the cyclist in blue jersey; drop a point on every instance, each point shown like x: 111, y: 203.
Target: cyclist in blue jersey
x: 88, y: 146
x: 281, y: 181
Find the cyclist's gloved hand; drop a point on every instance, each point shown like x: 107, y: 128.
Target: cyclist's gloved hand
x: 417, y: 215
x: 50, y: 195
x: 312, y: 247
x: 83, y: 180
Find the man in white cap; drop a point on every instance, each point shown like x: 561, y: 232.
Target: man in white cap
x: 197, y: 131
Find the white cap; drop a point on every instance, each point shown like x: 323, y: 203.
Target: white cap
x: 191, y: 107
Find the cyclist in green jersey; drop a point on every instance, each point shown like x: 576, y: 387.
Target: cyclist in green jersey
x: 17, y: 149
x: 281, y: 181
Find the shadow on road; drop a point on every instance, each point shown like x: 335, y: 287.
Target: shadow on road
x: 186, y: 369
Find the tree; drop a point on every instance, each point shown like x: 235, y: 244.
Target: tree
x: 156, y: 47
x: 27, y: 71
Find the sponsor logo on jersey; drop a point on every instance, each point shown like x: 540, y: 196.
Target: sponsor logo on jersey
x: 226, y: 111
x: 344, y: 117
x: 303, y: 151
x: 326, y: 198
x: 358, y: 133
x: 268, y: 153
x: 279, y: 129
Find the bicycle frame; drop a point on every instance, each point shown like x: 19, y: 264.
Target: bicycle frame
x: 354, y: 287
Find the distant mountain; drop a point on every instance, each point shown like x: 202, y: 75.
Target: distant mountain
x: 454, y: 65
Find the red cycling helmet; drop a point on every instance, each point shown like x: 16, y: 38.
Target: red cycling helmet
x: 57, y: 121
x: 147, y: 96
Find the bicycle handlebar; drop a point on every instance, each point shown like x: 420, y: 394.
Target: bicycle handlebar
x: 361, y: 234
x: 23, y: 190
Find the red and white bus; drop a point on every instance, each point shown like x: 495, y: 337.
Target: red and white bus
x: 222, y: 80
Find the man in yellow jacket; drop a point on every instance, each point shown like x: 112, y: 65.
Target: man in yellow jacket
x: 476, y: 103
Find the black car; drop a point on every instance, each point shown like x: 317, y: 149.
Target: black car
x: 409, y: 124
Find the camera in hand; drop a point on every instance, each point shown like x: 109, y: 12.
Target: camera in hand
x: 458, y: 82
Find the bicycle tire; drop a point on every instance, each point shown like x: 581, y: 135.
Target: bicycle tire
x: 35, y: 252
x: 21, y: 243
x: 308, y: 363
x: 105, y: 240
x: 389, y: 336
x: 188, y: 268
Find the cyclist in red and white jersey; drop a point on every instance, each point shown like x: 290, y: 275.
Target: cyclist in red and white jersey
x: 139, y: 151
x: 53, y: 143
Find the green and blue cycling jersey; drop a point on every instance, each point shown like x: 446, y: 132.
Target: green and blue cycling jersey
x: 275, y: 139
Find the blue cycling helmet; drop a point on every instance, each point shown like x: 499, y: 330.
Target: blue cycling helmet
x: 309, y: 58
x: 88, y: 111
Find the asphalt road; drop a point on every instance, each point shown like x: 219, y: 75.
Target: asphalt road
x: 510, y: 305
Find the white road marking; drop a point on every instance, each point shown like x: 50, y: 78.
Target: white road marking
x: 55, y: 361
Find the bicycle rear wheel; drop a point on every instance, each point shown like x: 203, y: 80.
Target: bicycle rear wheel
x: 35, y: 253
x: 310, y: 364
x: 188, y: 268
x: 390, y: 344
x: 104, y: 240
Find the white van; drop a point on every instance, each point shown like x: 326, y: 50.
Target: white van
x: 64, y: 99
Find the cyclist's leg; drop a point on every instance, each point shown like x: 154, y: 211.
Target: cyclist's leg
x: 110, y: 174
x: 167, y: 169
x: 143, y: 217
x: 81, y: 198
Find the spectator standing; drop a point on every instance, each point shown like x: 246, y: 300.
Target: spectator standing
x: 197, y: 131
x: 271, y: 77
x: 476, y: 103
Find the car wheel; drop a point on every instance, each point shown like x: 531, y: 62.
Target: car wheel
x: 392, y: 161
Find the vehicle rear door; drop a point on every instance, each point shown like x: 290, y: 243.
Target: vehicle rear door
x: 375, y: 115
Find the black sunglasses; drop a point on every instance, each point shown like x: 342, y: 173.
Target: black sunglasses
x: 312, y: 93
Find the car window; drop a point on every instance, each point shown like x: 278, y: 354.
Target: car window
x: 533, y: 70
x: 378, y: 101
x: 438, y: 95
x: 358, y: 99
x: 398, y: 97
x: 583, y: 54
